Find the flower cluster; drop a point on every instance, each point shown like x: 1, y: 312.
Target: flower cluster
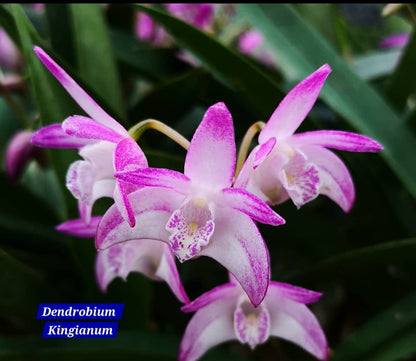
x: 208, y: 210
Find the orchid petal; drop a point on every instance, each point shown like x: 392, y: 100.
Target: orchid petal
x: 209, y: 327
x: 294, y: 293
x: 250, y: 205
x: 301, y: 179
x: 246, y: 171
x: 211, y: 155
x: 146, y: 256
x: 336, y: 182
x: 218, y: 293
x: 238, y: 246
x: 294, y: 322
x: 295, y: 106
x: 78, y: 94
x: 19, y: 153
x: 263, y: 151
x: 168, y: 272
x: 78, y: 228
x: 128, y: 155
x: 152, y: 208
x: 87, y: 128
x: 251, y: 325
x: 53, y: 136
x: 156, y: 177
x: 336, y: 139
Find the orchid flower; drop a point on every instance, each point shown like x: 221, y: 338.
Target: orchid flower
x: 395, y: 41
x: 198, y: 15
x: 10, y: 56
x: 252, y: 43
x: 20, y: 152
x: 103, y: 143
x: 225, y: 314
x: 197, y: 213
x: 148, y: 257
x: 298, y: 166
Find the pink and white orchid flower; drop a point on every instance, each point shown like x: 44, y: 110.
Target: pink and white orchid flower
x: 224, y: 314
x: 198, y: 213
x: 103, y: 143
x: 149, y: 257
x: 298, y: 166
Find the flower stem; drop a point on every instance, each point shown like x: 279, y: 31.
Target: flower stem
x: 245, y: 144
x: 137, y: 130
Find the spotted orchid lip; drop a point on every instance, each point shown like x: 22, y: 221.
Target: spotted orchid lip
x: 224, y: 313
x: 321, y: 172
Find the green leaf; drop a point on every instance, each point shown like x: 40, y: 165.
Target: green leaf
x: 403, y: 81
x: 354, y: 263
x: 52, y: 102
x: 300, y: 50
x: 58, y: 18
x: 95, y: 58
x: 151, y: 62
x: 22, y: 288
x: 387, y: 337
x: 225, y: 63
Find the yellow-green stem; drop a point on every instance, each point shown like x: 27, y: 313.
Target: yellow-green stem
x: 411, y: 13
x: 137, y: 130
x: 245, y: 144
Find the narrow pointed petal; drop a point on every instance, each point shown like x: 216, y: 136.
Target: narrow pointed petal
x: 128, y: 155
x: 263, y: 151
x: 295, y: 106
x: 152, y: 208
x: 218, y: 293
x: 168, y: 272
x: 78, y: 94
x: 237, y: 245
x: 351, y: 142
x: 87, y: 128
x: 156, y: 177
x: 53, y: 136
x: 250, y: 205
x: 78, y: 228
x: 246, y: 171
x: 294, y: 322
x: 211, y: 155
x: 336, y: 181
x: 294, y: 293
x: 209, y: 327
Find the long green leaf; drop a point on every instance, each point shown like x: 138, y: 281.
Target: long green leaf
x: 52, y: 102
x: 300, y: 50
x: 354, y: 263
x: 21, y: 287
x: 95, y: 58
x: 403, y: 81
x: 151, y: 62
x: 226, y: 64
x: 388, y: 337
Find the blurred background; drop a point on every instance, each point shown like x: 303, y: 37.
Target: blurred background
x: 139, y: 62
